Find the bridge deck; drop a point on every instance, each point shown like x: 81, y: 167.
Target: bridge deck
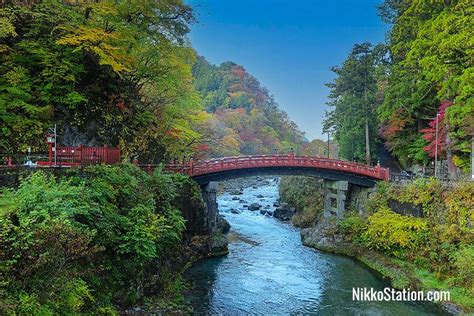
x: 248, y: 162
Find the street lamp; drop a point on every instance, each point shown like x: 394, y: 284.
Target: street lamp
x: 436, y: 148
x: 50, y: 139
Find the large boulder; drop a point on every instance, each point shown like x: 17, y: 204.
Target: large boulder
x: 254, y: 207
x: 223, y: 225
x: 219, y: 245
x: 284, y: 212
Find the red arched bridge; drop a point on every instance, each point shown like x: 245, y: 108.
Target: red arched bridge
x: 234, y: 167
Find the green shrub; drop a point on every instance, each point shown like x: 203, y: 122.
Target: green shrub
x: 460, y: 203
x: 305, y: 194
x: 464, y: 267
x: 393, y: 234
x: 352, y: 227
x: 80, y: 244
x: 425, y: 192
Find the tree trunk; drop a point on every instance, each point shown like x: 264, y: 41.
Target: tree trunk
x: 367, y: 143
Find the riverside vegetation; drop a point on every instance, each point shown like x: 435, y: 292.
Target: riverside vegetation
x: 98, y: 240
x: 123, y: 73
x: 434, y: 251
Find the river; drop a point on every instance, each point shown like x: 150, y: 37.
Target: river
x: 269, y: 271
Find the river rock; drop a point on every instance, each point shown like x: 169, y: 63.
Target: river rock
x: 235, y: 198
x: 254, y: 187
x: 236, y: 192
x: 219, y: 245
x: 321, y: 236
x: 245, y: 205
x: 267, y: 207
x: 276, y: 204
x: 254, y: 206
x: 284, y: 212
x: 242, y: 201
x: 260, y: 196
x: 234, y: 211
x: 223, y: 225
x: 263, y: 212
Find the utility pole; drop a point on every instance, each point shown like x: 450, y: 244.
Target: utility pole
x: 367, y: 142
x: 436, y: 148
x: 472, y: 158
x: 55, y: 146
x: 328, y: 144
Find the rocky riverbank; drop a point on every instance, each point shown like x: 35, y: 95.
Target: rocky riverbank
x: 324, y: 236
x: 418, y: 235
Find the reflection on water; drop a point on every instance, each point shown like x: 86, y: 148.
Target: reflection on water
x: 269, y: 271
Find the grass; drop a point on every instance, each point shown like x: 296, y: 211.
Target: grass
x: 459, y: 295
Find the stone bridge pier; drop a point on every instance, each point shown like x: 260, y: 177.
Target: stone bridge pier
x: 335, y: 194
x: 339, y: 195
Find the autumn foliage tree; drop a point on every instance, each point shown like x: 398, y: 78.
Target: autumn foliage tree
x: 431, y: 48
x: 107, y: 72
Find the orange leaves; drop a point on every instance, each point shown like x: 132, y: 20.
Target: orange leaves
x: 238, y: 71
x: 429, y: 134
x: 174, y: 133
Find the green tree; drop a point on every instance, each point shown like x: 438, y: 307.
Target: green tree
x: 353, y: 96
x: 107, y: 72
x: 430, y: 46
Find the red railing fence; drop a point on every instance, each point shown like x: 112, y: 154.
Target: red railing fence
x: 232, y: 163
x: 82, y: 155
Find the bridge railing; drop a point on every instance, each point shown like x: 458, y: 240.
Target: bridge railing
x: 232, y: 163
x: 82, y: 155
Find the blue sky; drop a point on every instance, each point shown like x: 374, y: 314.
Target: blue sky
x: 289, y: 46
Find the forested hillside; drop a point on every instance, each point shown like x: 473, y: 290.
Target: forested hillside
x: 123, y: 74
x: 398, y: 89
x: 245, y: 119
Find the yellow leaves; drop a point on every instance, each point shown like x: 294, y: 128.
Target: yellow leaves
x: 104, y: 8
x: 460, y: 202
x: 84, y: 35
x: 391, y: 232
x: 105, y: 45
x: 6, y: 28
x: 231, y: 141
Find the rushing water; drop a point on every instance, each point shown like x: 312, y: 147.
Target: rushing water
x: 269, y: 271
